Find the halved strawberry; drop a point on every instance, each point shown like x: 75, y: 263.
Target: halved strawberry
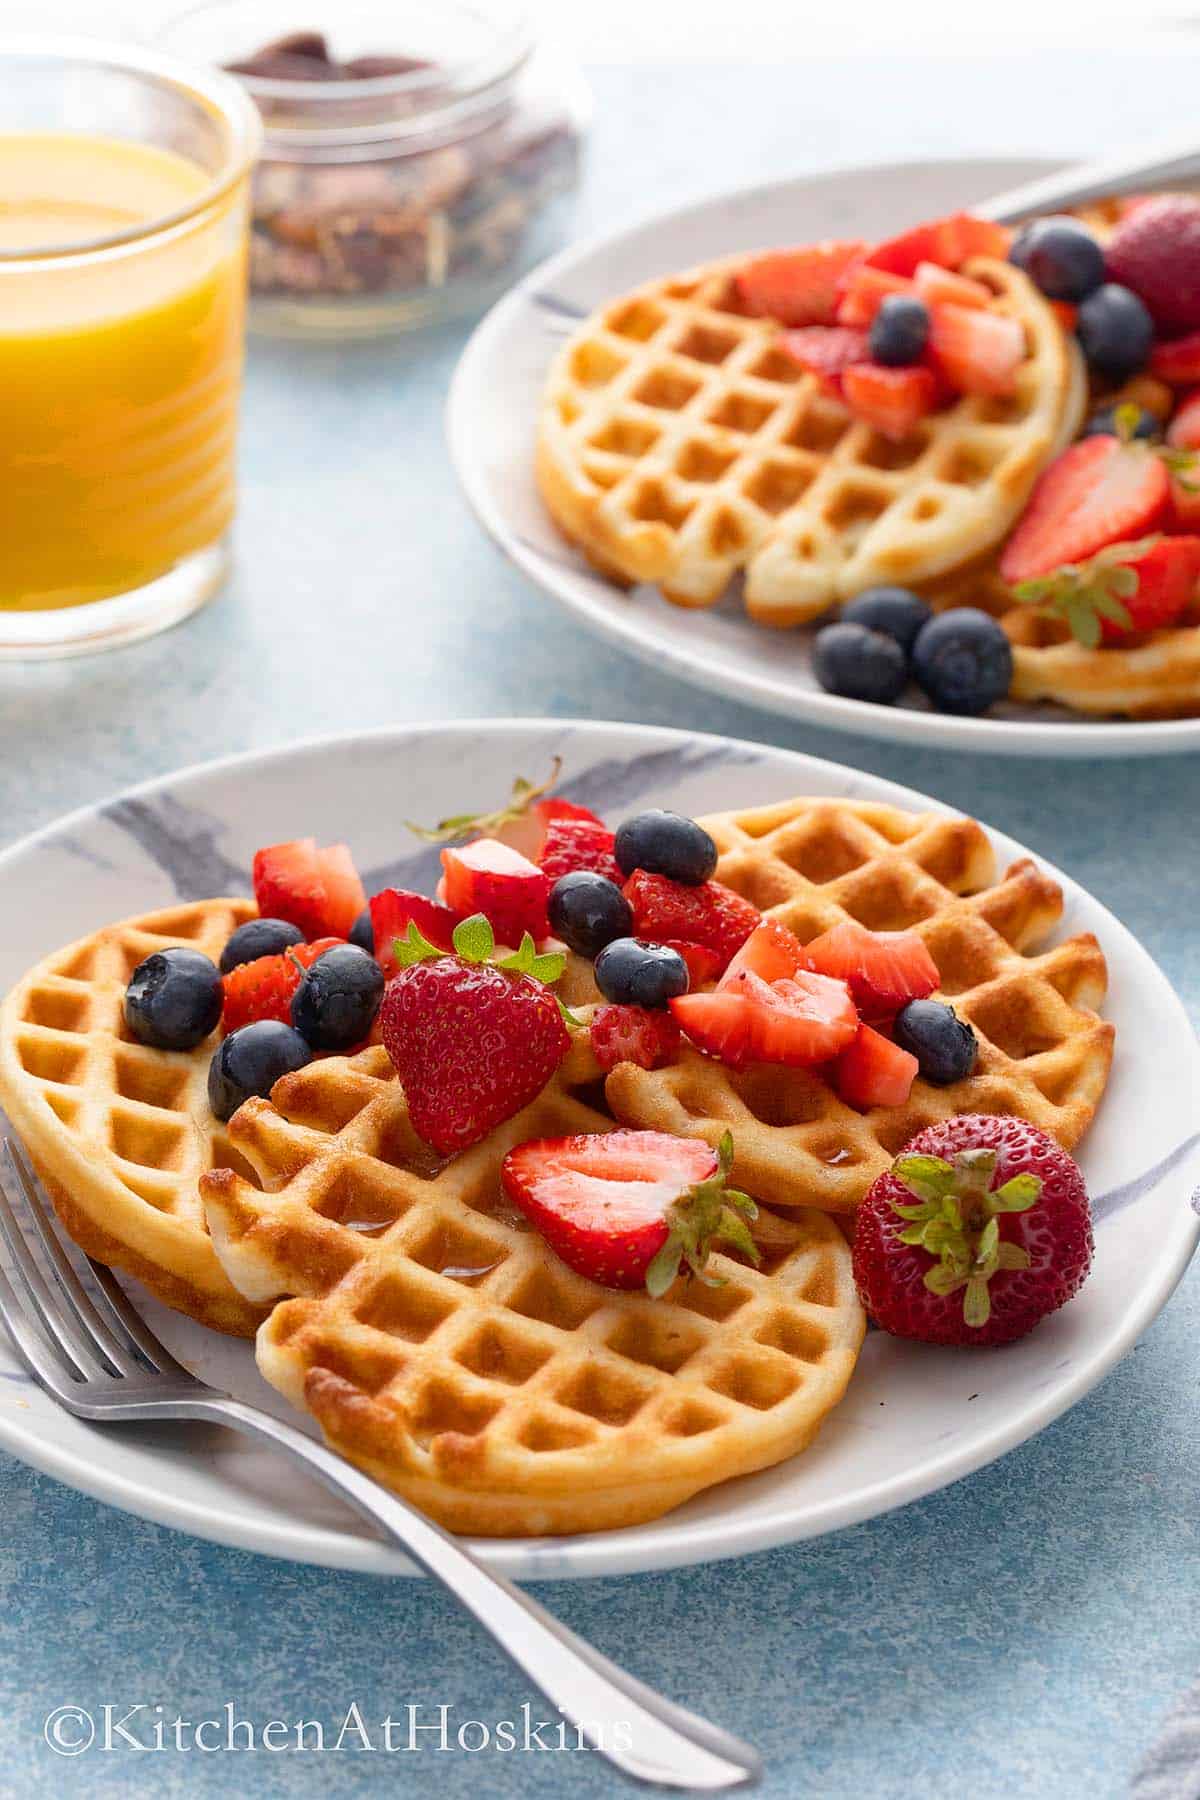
x: 894, y: 401
x: 634, y: 1034
x: 1177, y: 360
x: 1168, y: 571
x: 491, y: 878
x: 977, y: 352
x: 703, y: 964
x: 863, y: 291
x: 948, y: 242
x: 1127, y: 588
x: 799, y: 1020
x: 263, y: 989
x: 797, y: 287
x: 883, y: 969
x: 936, y: 286
x: 572, y: 843
x: 1098, y: 492
x: 626, y: 1208
x: 826, y: 350
x: 872, y: 1071
x: 318, y: 891
x: 711, y: 915
x: 1183, y: 433
x: 393, y: 910
x: 526, y: 831
x: 771, y: 951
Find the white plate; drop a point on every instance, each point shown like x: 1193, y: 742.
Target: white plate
x: 491, y: 420
x: 913, y: 1418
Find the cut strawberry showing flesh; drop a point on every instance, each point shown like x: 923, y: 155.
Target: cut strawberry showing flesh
x: 526, y: 831
x: 798, y: 1020
x: 393, y: 910
x: 1178, y: 360
x: 711, y: 915
x: 771, y: 952
x: 1167, y: 570
x: 263, y: 989
x: 949, y: 242
x: 571, y: 844
x: 894, y: 401
x: 490, y: 877
x: 797, y: 287
x: 826, y: 350
x: 863, y: 292
x: 1183, y: 433
x: 318, y: 891
x: 937, y: 286
x: 703, y: 965
x: 872, y: 1071
x: 977, y: 352
x: 884, y: 970
x: 1098, y: 492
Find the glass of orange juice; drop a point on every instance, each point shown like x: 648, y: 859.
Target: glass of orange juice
x: 123, y: 222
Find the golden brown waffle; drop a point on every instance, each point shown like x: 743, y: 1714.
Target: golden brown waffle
x: 1044, y: 1055
x: 678, y: 444
x: 444, y: 1348
x: 119, y: 1132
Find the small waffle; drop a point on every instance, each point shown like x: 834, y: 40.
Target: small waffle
x: 120, y: 1133
x: 443, y: 1347
x: 1044, y: 1055
x: 679, y: 444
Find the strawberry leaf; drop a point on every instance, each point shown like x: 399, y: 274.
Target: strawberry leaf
x: 462, y: 825
x: 526, y: 961
x: 958, y: 1223
x: 414, y: 947
x: 1017, y: 1195
x: 474, y: 940
x: 930, y: 1178
x: 664, y: 1268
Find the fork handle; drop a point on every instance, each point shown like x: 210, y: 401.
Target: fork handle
x: 640, y: 1732
x: 1176, y: 159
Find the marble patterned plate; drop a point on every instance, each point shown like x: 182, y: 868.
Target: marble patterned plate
x: 491, y: 419
x: 913, y: 1419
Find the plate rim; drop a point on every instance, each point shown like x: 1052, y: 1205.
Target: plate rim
x: 1016, y: 737
x: 602, y: 1553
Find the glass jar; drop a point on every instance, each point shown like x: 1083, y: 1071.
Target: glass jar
x: 416, y: 160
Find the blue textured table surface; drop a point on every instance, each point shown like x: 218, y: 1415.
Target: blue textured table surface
x: 1021, y: 1633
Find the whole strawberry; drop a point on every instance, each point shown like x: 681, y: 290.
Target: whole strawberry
x: 978, y: 1230
x: 472, y: 1040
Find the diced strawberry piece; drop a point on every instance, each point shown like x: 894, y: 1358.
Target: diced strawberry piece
x: 771, y: 952
x: 936, y: 286
x: 883, y: 969
x: 393, y: 910
x: 797, y: 287
x: 826, y: 350
x: 318, y: 891
x: 1066, y: 312
x: 711, y: 915
x: 526, y: 831
x: 1178, y: 360
x: 977, y: 352
x: 872, y: 1071
x: 488, y: 877
x: 1183, y: 433
x: 263, y: 989
x: 949, y: 242
x: 894, y: 401
x: 1098, y: 492
x: 799, y: 1020
x: 634, y: 1034
x: 578, y: 844
x: 702, y: 964
x: 1167, y: 572
x: 864, y: 291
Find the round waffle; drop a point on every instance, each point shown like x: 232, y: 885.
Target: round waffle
x: 119, y: 1132
x: 444, y: 1348
x: 1044, y: 1055
x: 679, y: 444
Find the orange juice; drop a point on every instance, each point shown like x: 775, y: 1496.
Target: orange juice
x: 120, y: 365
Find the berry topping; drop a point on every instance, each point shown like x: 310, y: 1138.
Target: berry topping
x: 980, y: 1229
x: 263, y: 989
x: 490, y: 878
x: 949, y: 242
x: 393, y: 910
x: 1115, y: 331
x: 631, y: 972
x: 872, y: 1071
x: 362, y: 932
x: 628, y: 1208
x: 578, y: 844
x: 173, y: 999
x: 771, y: 952
x: 1155, y: 250
x: 703, y: 965
x: 826, y: 350
x: 1060, y: 256
x: 665, y: 843
x: 863, y: 292
x: 859, y: 664
x: 1127, y: 588
x: 1099, y: 492
x: 317, y: 890
x: 977, y: 352
x: 335, y: 1004
x: 520, y: 823
x: 963, y: 660
x: 936, y: 286
x: 472, y: 1040
x: 1178, y: 361
x: 894, y: 401
x: 1135, y: 422
x: 258, y: 937
x: 799, y: 1020
x: 899, y: 331
x: 251, y: 1061
x: 634, y: 1034
x: 711, y: 915
x: 1183, y: 433
x: 588, y: 911
x: 894, y: 611
x: 944, y: 1045
x: 797, y: 287
x: 882, y: 969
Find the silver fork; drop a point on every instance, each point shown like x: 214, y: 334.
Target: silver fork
x: 100, y: 1360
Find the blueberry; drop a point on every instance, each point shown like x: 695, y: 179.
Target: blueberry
x: 1104, y: 423
x: 362, y: 932
x: 963, y: 660
x: 174, y: 999
x: 1060, y: 256
x: 859, y: 664
x: 258, y: 937
x: 899, y: 331
x: 895, y: 611
x: 1115, y: 331
x: 250, y: 1061
x: 630, y: 972
x: 944, y: 1045
x: 665, y: 843
x: 587, y: 911
x: 336, y: 1002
